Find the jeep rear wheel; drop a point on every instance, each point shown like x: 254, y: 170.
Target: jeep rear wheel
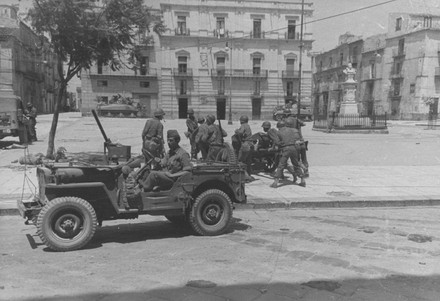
x: 211, y: 213
x: 66, y: 223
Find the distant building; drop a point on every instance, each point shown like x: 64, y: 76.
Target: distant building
x: 398, y: 72
x: 27, y: 66
x: 211, y: 50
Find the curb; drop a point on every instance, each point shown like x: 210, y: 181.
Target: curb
x: 359, y: 203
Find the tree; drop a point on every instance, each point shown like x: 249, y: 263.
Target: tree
x: 82, y: 34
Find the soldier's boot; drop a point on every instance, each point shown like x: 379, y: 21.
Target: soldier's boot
x: 275, y: 183
x: 303, y: 182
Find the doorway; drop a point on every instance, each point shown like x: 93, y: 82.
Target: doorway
x: 183, y: 108
x: 221, y: 108
x: 395, y: 108
x: 256, y: 108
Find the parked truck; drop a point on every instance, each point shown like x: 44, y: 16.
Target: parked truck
x: 13, y: 120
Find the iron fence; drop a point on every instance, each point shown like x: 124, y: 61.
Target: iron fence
x: 339, y: 121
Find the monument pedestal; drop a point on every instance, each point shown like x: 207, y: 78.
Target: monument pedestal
x: 349, y: 108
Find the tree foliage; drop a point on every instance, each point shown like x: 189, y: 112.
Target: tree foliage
x: 82, y: 34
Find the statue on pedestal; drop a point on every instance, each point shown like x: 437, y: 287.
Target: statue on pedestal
x: 350, y: 72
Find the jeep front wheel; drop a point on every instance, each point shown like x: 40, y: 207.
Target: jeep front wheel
x: 211, y: 213
x: 66, y: 223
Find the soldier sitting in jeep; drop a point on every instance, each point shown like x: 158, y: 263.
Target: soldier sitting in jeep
x: 175, y: 162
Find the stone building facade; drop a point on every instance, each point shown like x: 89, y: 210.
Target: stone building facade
x: 398, y: 72
x: 27, y: 66
x: 213, y: 50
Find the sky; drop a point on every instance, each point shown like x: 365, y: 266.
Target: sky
x: 364, y: 23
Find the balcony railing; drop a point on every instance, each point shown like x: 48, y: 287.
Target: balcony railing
x: 257, y: 35
x: 221, y: 33
x: 182, y: 31
x: 287, y: 74
x: 185, y: 73
x: 243, y: 73
x: 292, y: 36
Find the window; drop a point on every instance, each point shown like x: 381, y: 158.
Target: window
x: 290, y: 64
x: 412, y: 88
x: 398, y: 24
x: 289, y: 88
x: 102, y: 83
x: 183, y: 86
x: 144, y: 84
x: 257, y: 87
x: 99, y: 67
x: 341, y: 59
x: 401, y: 49
x: 220, y: 27
x: 144, y: 65
x: 320, y: 66
x: 221, y: 65
x: 372, y: 70
x: 427, y: 22
x: 182, y: 64
x: 397, y: 67
x: 256, y: 62
x: 257, y: 29
x: 396, y: 86
x: 330, y: 63
x: 221, y: 87
x: 181, y: 25
x: 291, y: 29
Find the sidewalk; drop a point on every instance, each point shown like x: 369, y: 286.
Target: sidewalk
x: 328, y: 186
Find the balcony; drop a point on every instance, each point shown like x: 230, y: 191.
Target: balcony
x: 292, y: 36
x: 182, y: 73
x: 221, y: 33
x: 257, y: 35
x: 239, y: 73
x: 127, y: 72
x: 290, y: 74
x: 182, y: 31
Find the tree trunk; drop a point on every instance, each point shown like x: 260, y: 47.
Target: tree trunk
x: 51, y: 143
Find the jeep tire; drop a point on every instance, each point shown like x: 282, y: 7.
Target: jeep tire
x: 211, y: 213
x: 66, y: 223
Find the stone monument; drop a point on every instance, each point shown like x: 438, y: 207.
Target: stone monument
x: 349, y: 105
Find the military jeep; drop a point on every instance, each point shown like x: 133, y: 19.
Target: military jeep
x: 74, y: 198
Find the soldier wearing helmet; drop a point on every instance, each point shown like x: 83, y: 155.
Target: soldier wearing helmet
x: 289, y: 141
x: 272, y: 135
x: 201, y: 137
x: 191, y: 124
x: 215, y: 138
x: 243, y: 135
x: 295, y: 123
x: 153, y: 132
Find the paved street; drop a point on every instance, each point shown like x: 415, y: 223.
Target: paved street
x: 301, y: 254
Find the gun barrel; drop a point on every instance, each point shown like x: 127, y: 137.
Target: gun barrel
x: 100, y: 127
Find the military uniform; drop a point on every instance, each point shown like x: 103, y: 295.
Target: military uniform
x: 31, y: 113
x: 244, y: 154
x: 289, y: 150
x: 215, y: 140
x: 152, y: 135
x: 191, y: 124
x: 201, y: 139
x: 175, y: 160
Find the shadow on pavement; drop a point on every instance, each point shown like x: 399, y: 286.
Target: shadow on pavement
x: 395, y: 287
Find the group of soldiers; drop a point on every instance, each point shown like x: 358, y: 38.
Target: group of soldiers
x: 207, y: 138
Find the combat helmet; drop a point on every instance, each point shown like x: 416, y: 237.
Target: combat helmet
x: 159, y: 112
x: 244, y: 119
x: 266, y: 125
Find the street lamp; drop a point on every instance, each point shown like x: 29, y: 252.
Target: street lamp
x: 300, y: 62
x: 230, y: 82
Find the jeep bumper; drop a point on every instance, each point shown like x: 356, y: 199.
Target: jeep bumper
x: 29, y: 209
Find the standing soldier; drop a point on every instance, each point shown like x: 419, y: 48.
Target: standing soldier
x: 289, y: 142
x: 152, y: 135
x: 191, y: 124
x: 244, y: 134
x: 215, y: 138
x: 201, y: 137
x: 31, y: 113
x: 302, y: 146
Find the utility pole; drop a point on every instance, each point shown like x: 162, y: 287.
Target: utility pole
x: 230, y: 82
x: 300, y: 60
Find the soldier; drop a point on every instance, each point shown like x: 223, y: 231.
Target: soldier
x: 215, y: 138
x: 175, y: 162
x: 31, y: 113
x: 201, y: 137
x: 302, y: 147
x: 152, y: 135
x: 289, y: 141
x: 244, y: 134
x: 191, y: 124
x: 272, y: 135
